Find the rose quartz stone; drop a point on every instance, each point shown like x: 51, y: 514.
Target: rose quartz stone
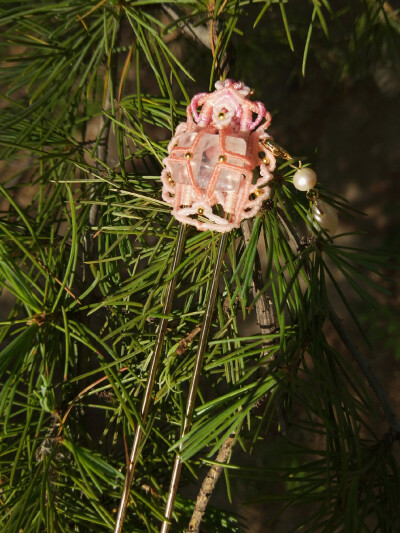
x: 205, y: 158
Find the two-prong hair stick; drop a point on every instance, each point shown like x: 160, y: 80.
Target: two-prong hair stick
x: 176, y: 472
x: 210, y: 163
x: 150, y: 381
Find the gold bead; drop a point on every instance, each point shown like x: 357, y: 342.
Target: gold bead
x: 170, y: 179
x: 200, y: 211
x: 221, y: 115
x: 222, y: 158
x: 252, y: 92
x: 265, y: 161
x: 188, y: 155
x: 258, y: 192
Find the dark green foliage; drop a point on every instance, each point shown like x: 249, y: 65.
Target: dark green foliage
x: 91, y: 93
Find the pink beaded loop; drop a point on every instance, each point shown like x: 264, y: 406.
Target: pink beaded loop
x: 212, y: 156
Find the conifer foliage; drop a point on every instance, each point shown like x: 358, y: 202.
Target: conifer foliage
x: 91, y: 94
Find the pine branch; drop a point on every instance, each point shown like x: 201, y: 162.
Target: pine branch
x: 68, y: 331
x: 369, y: 374
x: 208, y: 486
x: 101, y: 153
x: 365, y: 368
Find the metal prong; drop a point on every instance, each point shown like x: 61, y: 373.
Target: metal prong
x: 176, y: 471
x: 150, y: 382
x: 276, y: 150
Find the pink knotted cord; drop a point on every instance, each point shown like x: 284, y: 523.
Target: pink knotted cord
x: 260, y: 116
x: 226, y: 112
x: 195, y: 103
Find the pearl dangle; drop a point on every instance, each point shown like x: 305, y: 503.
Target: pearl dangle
x: 324, y: 215
x: 305, y: 179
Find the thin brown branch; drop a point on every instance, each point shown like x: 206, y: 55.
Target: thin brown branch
x: 59, y: 282
x: 199, y: 32
x: 184, y: 343
x: 264, y: 307
x: 125, y: 69
x: 208, y: 485
x: 81, y: 393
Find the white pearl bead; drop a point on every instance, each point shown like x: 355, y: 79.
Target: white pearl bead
x: 304, y: 179
x: 326, y: 216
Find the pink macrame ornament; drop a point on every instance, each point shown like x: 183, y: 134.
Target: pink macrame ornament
x: 212, y: 157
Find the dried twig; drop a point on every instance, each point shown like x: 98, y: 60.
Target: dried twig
x: 59, y: 282
x: 264, y: 308
x: 199, y: 32
x: 81, y: 393
x: 208, y: 485
x: 184, y: 343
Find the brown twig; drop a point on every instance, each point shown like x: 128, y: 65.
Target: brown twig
x: 184, y: 343
x: 195, y: 32
x: 59, y: 281
x: 264, y: 309
x: 81, y: 393
x: 208, y: 485
x: 266, y: 318
x: 125, y: 70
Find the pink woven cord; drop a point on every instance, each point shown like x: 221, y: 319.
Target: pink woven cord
x: 195, y: 103
x: 260, y: 116
x: 227, y: 111
x: 246, y: 117
x: 205, y: 115
x: 266, y: 124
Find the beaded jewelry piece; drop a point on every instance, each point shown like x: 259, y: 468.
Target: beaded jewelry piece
x: 212, y: 158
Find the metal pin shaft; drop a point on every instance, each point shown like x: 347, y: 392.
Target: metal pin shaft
x: 176, y: 471
x: 150, y: 382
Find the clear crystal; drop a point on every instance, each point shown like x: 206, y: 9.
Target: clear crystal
x: 178, y: 170
x: 205, y: 158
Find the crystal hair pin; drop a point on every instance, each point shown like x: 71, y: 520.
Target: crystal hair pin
x: 212, y: 158
x: 216, y: 174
